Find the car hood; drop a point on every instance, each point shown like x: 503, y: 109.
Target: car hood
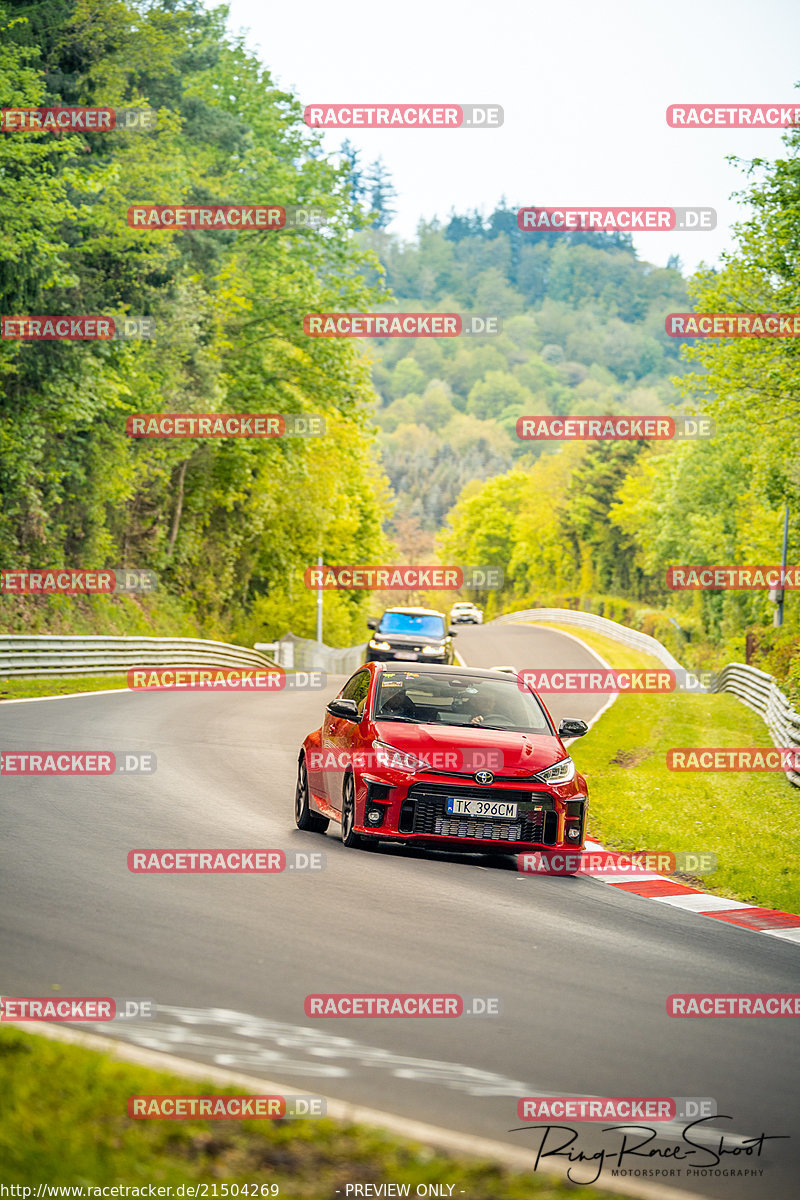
x: 522, y: 753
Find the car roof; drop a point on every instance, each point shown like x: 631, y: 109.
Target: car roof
x: 423, y: 668
x: 429, y: 612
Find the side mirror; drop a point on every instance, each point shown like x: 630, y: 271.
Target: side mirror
x: 344, y: 708
x: 372, y: 623
x: 452, y: 632
x: 571, y: 727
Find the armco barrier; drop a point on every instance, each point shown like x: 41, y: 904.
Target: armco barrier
x: 760, y: 692
x: 754, y: 688
x: 48, y: 654
x: 307, y: 655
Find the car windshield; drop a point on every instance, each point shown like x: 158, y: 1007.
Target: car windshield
x: 459, y: 700
x: 426, y: 624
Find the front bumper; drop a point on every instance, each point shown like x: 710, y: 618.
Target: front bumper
x: 402, y: 655
x: 415, y: 811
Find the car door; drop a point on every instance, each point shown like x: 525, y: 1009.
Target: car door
x: 341, y: 737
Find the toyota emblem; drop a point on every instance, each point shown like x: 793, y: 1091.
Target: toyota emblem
x: 484, y: 777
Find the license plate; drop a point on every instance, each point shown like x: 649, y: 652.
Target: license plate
x: 500, y: 810
x: 406, y: 655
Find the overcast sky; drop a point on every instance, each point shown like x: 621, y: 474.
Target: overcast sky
x: 584, y: 86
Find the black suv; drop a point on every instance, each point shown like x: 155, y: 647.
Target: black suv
x: 411, y: 635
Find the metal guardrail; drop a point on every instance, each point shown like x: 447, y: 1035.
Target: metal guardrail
x: 40, y: 655
x: 22, y: 655
x: 758, y: 690
x: 308, y: 655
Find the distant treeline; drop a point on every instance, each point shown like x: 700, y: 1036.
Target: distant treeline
x: 582, y: 332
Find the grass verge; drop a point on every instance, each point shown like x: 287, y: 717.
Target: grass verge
x: 65, y: 1122
x: 750, y: 820
x: 25, y: 689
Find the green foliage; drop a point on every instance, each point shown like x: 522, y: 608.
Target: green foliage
x: 598, y: 525
x: 222, y: 522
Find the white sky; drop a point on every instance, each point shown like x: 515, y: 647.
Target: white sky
x: 584, y: 86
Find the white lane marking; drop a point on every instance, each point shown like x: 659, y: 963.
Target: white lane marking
x: 71, y: 696
x: 241, y: 1040
x: 619, y: 876
x: 468, y: 1144
x: 701, y: 903
x: 319, y: 1045
x: 789, y: 935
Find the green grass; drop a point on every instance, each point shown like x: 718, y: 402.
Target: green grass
x: 750, y: 820
x: 23, y: 689
x: 65, y: 1122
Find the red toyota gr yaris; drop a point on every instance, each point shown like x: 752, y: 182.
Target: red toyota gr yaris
x: 446, y: 757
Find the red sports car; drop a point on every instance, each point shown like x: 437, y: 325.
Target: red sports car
x: 446, y: 757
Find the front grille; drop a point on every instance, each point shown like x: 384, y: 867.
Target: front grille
x: 424, y: 811
x: 476, y: 827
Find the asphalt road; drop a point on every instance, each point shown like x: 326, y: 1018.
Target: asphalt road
x: 582, y: 970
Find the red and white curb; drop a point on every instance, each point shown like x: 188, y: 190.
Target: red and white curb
x: 733, y: 912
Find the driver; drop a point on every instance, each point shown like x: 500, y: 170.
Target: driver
x: 398, y: 704
x: 483, y: 708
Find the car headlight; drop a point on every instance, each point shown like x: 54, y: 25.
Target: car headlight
x: 560, y: 772
x: 379, y: 645
x: 397, y: 760
x: 433, y: 649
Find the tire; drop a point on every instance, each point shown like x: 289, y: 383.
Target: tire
x: 354, y: 841
x: 304, y: 818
